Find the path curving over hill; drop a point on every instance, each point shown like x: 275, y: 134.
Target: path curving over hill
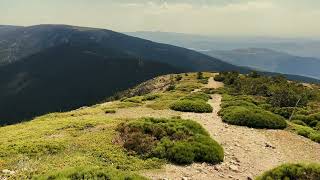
x: 248, y: 152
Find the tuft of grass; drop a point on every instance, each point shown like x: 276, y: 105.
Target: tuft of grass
x: 176, y: 140
x: 293, y: 171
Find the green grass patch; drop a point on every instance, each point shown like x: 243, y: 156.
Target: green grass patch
x: 59, y: 141
x: 305, y: 131
x: 90, y: 173
x: 293, y: 172
x: 176, y: 140
x: 197, y: 106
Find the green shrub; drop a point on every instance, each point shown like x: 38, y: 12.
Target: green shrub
x: 252, y: 117
x: 315, y: 137
x: 209, y: 90
x: 178, y: 78
x: 200, y: 75
x: 177, y: 140
x: 299, y: 122
x: 315, y: 116
x: 197, y: 106
x: 293, y: 172
x: 197, y: 96
x: 171, y: 87
x: 150, y: 97
x: 84, y: 173
x: 219, y: 78
x: 285, y: 112
x: 243, y: 103
x: 136, y: 99
x: 110, y: 111
x: 204, y: 80
x: 306, y: 131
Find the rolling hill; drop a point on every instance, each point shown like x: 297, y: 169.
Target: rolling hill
x: 21, y: 42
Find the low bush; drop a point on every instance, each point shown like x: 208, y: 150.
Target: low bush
x: 197, y: 96
x: 299, y: 122
x: 306, y: 131
x: 196, y: 106
x: 136, y: 99
x: 178, y: 78
x: 171, y: 87
x: 90, y: 173
x: 252, y: 117
x: 293, y: 172
x: 209, y: 91
x: 150, y: 97
x: 110, y: 111
x: 176, y: 140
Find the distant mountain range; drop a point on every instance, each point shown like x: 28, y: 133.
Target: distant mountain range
x: 265, y: 54
x: 295, y: 46
x: 48, y: 68
x: 269, y: 60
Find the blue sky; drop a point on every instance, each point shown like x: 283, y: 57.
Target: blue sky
x: 284, y: 18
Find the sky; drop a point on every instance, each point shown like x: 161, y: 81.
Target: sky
x: 277, y: 18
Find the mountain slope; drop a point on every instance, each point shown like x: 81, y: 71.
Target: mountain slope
x: 269, y: 60
x: 67, y: 77
x: 87, y: 138
x: 24, y: 41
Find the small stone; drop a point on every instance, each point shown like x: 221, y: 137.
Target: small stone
x: 217, y: 168
x: 184, y: 178
x: 234, y: 168
x: 7, y: 171
x: 230, y: 176
x: 249, y: 178
x: 268, y: 145
x: 165, y: 179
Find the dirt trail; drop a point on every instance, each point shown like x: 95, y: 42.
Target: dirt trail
x: 248, y: 152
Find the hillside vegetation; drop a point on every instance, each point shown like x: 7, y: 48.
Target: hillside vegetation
x: 139, y: 132
x: 265, y: 102
x: 86, y: 142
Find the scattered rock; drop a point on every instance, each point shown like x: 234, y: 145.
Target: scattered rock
x: 236, y: 159
x: 230, y: 176
x: 185, y: 178
x: 8, y: 172
x: 234, y: 168
x: 249, y: 178
x: 268, y: 145
x: 217, y: 168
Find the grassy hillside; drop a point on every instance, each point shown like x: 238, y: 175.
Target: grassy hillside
x: 118, y: 139
x: 57, y: 144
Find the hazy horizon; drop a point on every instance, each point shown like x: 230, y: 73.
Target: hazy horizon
x: 238, y: 18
